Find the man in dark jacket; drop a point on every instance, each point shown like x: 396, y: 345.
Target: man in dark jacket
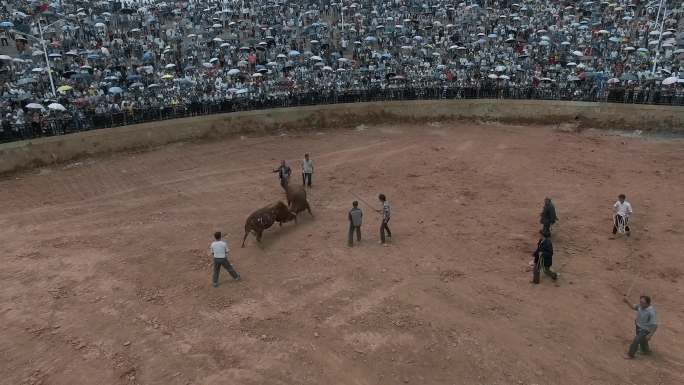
x: 545, y: 252
x: 548, y: 217
x: 284, y: 173
x: 355, y: 220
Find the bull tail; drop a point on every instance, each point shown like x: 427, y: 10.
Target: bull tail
x: 308, y: 208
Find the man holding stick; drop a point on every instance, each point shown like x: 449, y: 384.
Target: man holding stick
x: 385, y: 219
x: 386, y: 213
x: 645, y: 323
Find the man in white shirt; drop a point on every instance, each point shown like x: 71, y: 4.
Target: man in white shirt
x: 307, y: 170
x: 622, y: 212
x: 219, y: 250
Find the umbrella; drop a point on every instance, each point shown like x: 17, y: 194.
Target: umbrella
x: 35, y: 106
x: 233, y: 72
x: 571, y: 64
x: 257, y: 75
x: 5, y: 58
x: 115, y: 90
x: 99, y: 25
x: 7, y: 24
x: 293, y: 53
x: 170, y: 66
x: 316, y: 58
x: 65, y: 88
x: 577, y: 53
x: 670, y: 80
x: 492, y: 76
x: 504, y: 77
x: 167, y: 77
x: 629, y: 49
x: 613, y: 80
x: 56, y: 107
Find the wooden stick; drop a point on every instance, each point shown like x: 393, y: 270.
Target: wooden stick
x: 629, y: 291
x: 362, y: 200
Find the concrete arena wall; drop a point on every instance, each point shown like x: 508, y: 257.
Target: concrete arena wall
x: 43, y: 151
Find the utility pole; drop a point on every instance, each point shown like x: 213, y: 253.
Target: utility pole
x: 47, y: 60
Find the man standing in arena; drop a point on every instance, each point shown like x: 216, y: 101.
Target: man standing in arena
x: 307, y: 170
x: 284, y: 173
x: 545, y: 253
x: 548, y: 217
x: 355, y: 220
x: 385, y: 219
x: 219, y: 250
x: 645, y: 323
x: 622, y: 212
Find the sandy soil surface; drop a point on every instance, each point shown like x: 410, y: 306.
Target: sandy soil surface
x: 106, y: 279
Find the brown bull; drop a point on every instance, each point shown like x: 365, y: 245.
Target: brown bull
x: 296, y: 199
x: 265, y: 217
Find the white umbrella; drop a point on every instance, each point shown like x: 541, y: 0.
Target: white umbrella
x: 577, y: 53
x: 504, y: 77
x: 170, y: 66
x: 316, y: 58
x: 613, y: 80
x: 5, y: 58
x: 629, y: 49
x: 257, y: 75
x: 35, y: 106
x: 571, y: 64
x: 233, y: 72
x: 670, y: 80
x: 99, y: 25
x: 492, y: 76
x: 56, y: 107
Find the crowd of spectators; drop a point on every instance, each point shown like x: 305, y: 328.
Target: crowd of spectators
x: 113, y: 63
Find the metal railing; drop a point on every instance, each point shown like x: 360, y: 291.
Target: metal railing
x: 83, y: 120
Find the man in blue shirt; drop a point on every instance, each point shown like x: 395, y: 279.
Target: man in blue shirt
x: 355, y: 220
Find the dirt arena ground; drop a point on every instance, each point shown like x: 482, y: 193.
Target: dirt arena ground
x: 106, y: 278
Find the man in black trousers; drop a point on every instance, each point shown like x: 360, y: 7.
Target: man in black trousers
x: 545, y: 253
x: 548, y: 217
x: 284, y: 173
